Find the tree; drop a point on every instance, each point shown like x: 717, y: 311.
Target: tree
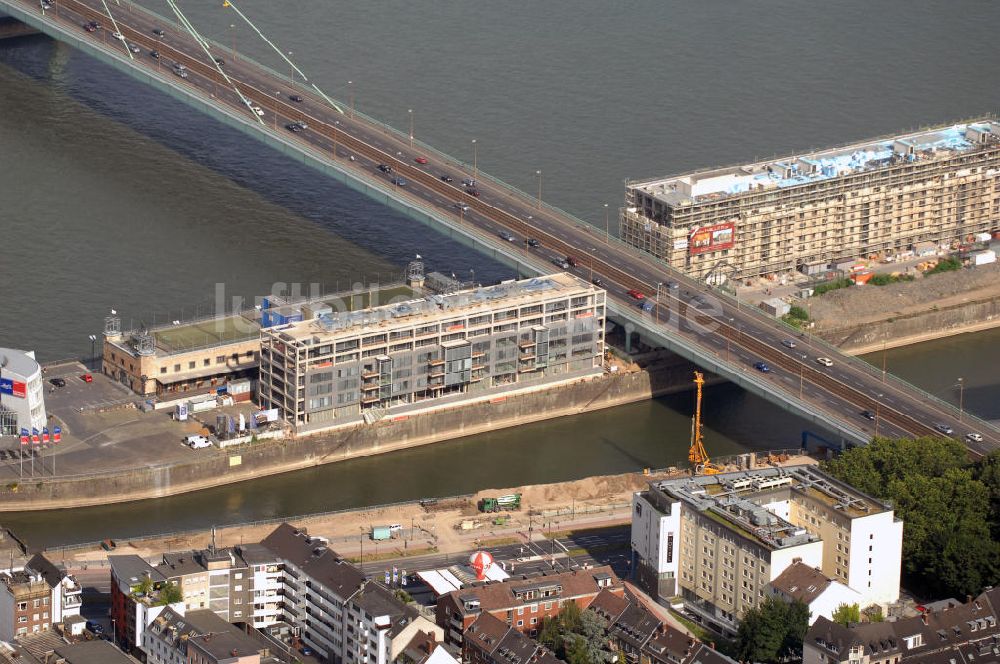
x: 576, y: 650
x: 949, y: 547
x: 145, y: 586
x: 594, y: 629
x: 772, y: 631
x: 847, y: 614
x: 170, y: 593
x: 551, y: 634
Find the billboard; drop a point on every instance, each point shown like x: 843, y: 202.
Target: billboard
x: 13, y: 388
x: 712, y: 238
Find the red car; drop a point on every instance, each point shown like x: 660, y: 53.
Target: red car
x: 638, y: 295
x: 473, y: 192
x: 421, y: 160
x: 87, y: 378
x: 572, y: 261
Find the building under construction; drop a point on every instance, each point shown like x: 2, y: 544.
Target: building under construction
x: 803, y: 212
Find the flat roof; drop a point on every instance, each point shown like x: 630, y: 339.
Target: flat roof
x: 202, y: 334
x: 728, y: 498
x: 720, y: 183
x: 21, y: 362
x: 433, y: 308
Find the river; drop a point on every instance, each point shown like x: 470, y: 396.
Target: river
x: 117, y: 197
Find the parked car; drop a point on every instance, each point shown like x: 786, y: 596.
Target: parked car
x: 636, y: 295
x: 762, y: 367
x: 58, y: 382
x: 825, y: 361
x: 94, y: 627
x: 944, y: 428
x: 421, y: 160
x: 974, y: 437
x: 87, y: 378
x: 868, y: 415
x: 788, y: 343
x: 296, y: 98
x: 506, y: 235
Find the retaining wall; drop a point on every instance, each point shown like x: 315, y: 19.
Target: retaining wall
x: 220, y: 467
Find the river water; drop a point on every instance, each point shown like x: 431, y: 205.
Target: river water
x: 117, y: 197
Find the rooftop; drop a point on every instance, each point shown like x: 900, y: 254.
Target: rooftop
x: 801, y: 582
x: 520, y: 592
x: 431, y: 308
x: 93, y: 652
x: 21, y: 362
x: 733, y: 499
x: 801, y: 169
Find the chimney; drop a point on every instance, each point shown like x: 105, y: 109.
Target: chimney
x: 923, y: 617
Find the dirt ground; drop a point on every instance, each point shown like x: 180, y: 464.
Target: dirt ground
x: 585, y: 503
x: 861, y: 304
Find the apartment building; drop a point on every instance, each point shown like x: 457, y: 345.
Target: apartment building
x: 718, y: 541
x: 489, y: 640
x: 199, y: 637
x: 874, y: 198
x: 342, y: 367
x: 35, y: 598
x: 346, y: 618
x: 136, y: 588
x: 966, y: 633
x: 215, y: 579
x: 523, y: 603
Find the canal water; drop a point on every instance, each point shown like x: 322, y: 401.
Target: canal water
x: 114, y: 196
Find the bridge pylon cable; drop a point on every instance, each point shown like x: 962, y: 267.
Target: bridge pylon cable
x: 230, y: 5
x: 114, y: 23
x: 205, y: 47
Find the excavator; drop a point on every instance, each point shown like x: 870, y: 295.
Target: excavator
x: 696, y: 454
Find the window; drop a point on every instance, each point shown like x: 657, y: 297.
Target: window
x: 534, y: 621
x: 163, y: 370
x: 520, y: 610
x: 191, y: 365
x: 21, y: 606
x: 520, y: 623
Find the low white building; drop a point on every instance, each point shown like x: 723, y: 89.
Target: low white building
x: 816, y: 590
x: 22, y: 402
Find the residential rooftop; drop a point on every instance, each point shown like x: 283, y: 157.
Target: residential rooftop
x: 433, y: 308
x: 808, y: 168
x: 733, y: 499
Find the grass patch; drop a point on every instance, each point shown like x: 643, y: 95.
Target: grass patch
x: 886, y: 279
x: 945, y: 265
x: 391, y: 555
x: 836, y: 284
x: 498, y: 541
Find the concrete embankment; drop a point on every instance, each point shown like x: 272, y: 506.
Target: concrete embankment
x: 912, y: 328
x: 272, y: 457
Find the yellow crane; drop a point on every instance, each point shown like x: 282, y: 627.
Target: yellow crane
x: 697, y: 454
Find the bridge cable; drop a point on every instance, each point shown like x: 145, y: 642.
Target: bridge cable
x: 118, y: 31
x: 229, y: 4
x: 204, y: 45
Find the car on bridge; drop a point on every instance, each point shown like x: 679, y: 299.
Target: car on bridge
x: 447, y: 178
x: 572, y: 261
x: 155, y: 55
x: 219, y: 61
x: 646, y: 306
x: 90, y: 27
x: 46, y: 4
x: 974, y: 437
x: 399, y: 182
x: 532, y: 242
x: 119, y: 36
x: 825, y: 361
x: 472, y: 191
x: 636, y: 294
x: 294, y: 127
x: 868, y: 415
x: 181, y: 70
x: 468, y: 182
x: 762, y: 367
x: 421, y: 160
x: 597, y: 281
x: 384, y: 168
x: 560, y: 263
x: 944, y: 428
x: 256, y: 109
x: 158, y: 32
x: 462, y: 206
x: 506, y: 235
x: 134, y: 47
x: 296, y: 98
x: 788, y: 343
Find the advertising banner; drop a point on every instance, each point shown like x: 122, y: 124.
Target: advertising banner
x: 712, y: 238
x: 13, y: 388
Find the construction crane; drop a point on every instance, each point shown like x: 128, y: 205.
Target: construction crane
x: 696, y: 454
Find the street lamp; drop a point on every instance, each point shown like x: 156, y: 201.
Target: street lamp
x: 291, y: 70
x: 539, y: 174
x: 961, y: 395
x: 410, y: 112
x: 607, y: 227
x: 658, y: 285
x: 878, y: 404
x: 232, y: 33
x: 350, y: 94
x: 93, y: 350
x: 475, y: 160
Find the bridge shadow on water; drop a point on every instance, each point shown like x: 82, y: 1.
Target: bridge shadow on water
x: 241, y: 159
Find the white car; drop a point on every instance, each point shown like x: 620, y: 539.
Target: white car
x: 974, y: 437
x: 825, y: 361
x: 119, y: 36
x: 257, y: 109
x: 197, y: 442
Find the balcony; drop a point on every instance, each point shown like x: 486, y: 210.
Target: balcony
x: 370, y: 387
x: 435, y: 363
x: 370, y: 399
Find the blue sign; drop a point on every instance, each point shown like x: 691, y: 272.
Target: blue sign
x: 6, y: 386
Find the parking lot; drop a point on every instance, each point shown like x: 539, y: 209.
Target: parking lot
x: 102, y: 429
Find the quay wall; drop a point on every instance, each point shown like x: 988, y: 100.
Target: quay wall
x: 903, y: 330
x: 221, y: 467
